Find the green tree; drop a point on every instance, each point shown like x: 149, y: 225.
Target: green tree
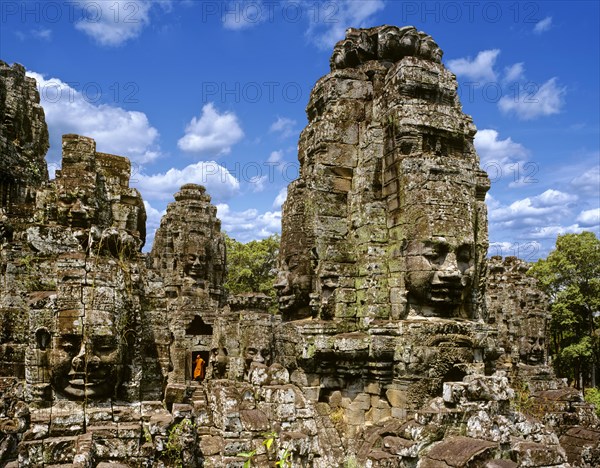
x: 570, y: 276
x: 252, y: 267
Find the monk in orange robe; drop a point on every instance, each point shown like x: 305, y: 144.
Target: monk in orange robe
x: 199, y: 368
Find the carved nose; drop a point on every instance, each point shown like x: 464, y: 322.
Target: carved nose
x: 258, y: 358
x: 449, y: 271
x: 78, y: 362
x: 281, y: 283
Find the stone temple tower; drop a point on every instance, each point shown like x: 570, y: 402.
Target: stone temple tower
x: 387, y: 219
x: 188, y: 255
x: 384, y: 233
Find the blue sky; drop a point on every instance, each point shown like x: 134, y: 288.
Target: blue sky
x: 214, y: 92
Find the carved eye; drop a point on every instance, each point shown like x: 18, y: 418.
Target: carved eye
x: 435, y: 253
x: 106, y: 348
x: 105, y: 345
x: 252, y: 351
x: 463, y: 254
x: 69, y: 344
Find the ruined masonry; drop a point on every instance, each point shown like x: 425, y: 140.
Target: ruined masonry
x: 398, y: 343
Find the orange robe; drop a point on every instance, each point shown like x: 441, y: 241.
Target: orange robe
x: 199, y: 369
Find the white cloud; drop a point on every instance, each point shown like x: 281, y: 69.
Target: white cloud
x: 482, y: 67
x: 543, y: 25
x: 116, y: 130
x: 39, y: 33
x: 258, y: 183
x: 514, y: 73
x: 280, y: 198
x: 535, y: 102
x: 588, y: 182
x: 244, y: 14
x: 247, y: 225
x: 153, y: 217
x: 328, y: 21
x: 284, y: 126
x: 275, y: 157
x: 553, y: 197
x: 213, y: 133
x: 492, y: 149
x: 503, y: 159
x: 217, y: 179
x: 589, y: 217
x: 549, y: 207
x: 551, y: 232
x: 114, y: 23
x: 528, y: 228
x: 527, y: 250
x: 42, y: 33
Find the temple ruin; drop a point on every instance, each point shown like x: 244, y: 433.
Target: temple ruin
x: 398, y: 343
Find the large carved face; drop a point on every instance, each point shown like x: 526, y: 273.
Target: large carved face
x: 532, y: 342
x: 88, y: 364
x: 258, y: 347
x: 396, y: 43
x: 195, y: 265
x: 219, y: 362
x: 439, y: 275
x: 293, y: 284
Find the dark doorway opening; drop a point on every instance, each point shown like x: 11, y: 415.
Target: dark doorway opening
x: 198, y: 327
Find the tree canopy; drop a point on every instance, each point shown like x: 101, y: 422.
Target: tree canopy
x: 252, y: 267
x: 570, y: 276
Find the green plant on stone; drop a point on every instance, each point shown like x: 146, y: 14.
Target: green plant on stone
x: 592, y: 395
x: 175, y: 445
x: 284, y: 460
x: 249, y: 456
x: 351, y: 462
x: 147, y: 435
x: 269, y: 439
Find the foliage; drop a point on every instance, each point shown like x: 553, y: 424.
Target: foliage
x: 592, y: 395
x: 570, y: 276
x: 248, y: 458
x: 530, y: 405
x: 284, y: 457
x: 175, y: 442
x: 351, y: 462
x: 252, y: 267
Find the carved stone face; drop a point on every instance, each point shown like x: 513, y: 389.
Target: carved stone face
x: 87, y: 365
x: 195, y: 263
x: 219, y: 362
x: 258, y: 352
x: 258, y: 348
x: 532, y: 342
x: 293, y: 285
x: 439, y: 275
x: 430, y: 50
x: 342, y: 55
